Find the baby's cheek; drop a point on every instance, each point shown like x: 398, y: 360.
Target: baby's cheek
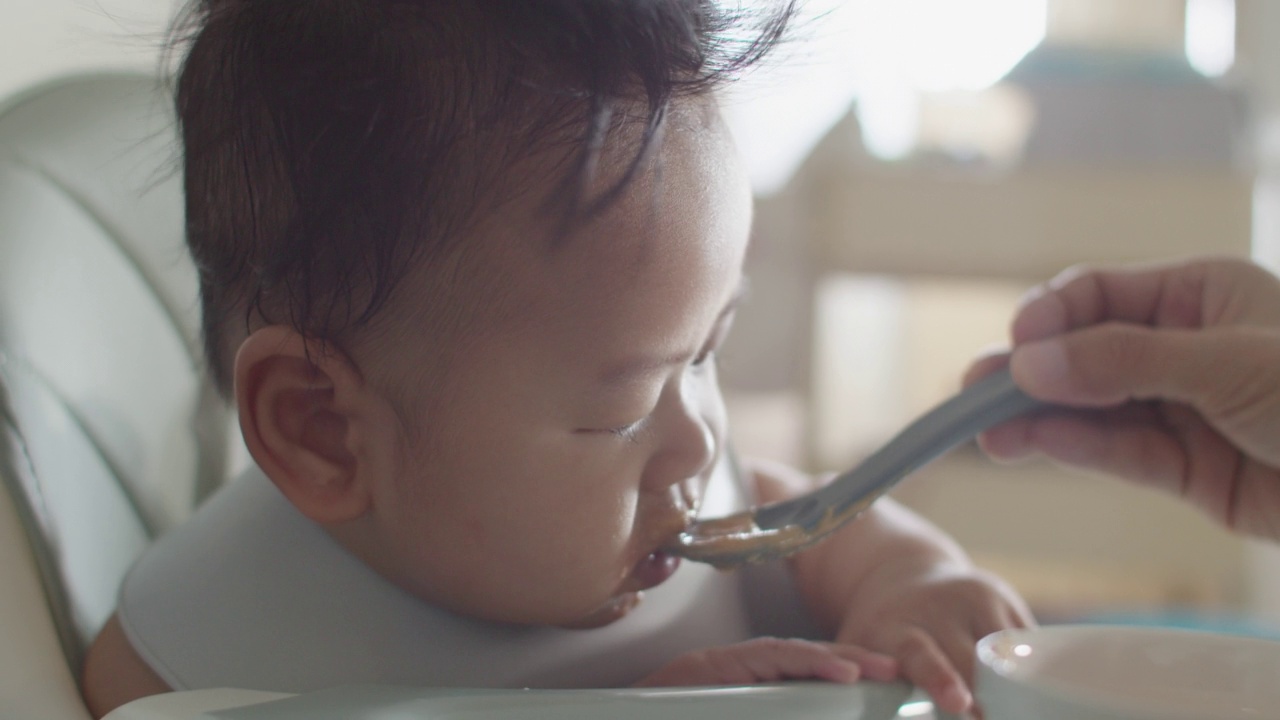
x: 591, y: 492
x: 577, y: 534
x: 598, y: 529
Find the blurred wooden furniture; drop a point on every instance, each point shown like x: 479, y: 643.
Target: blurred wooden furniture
x: 1074, y: 544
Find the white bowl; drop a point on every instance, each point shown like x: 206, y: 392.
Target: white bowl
x: 793, y: 701
x: 1096, y: 672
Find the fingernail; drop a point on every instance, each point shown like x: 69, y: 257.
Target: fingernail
x: 883, y: 669
x: 1041, y: 314
x: 1040, y: 365
x: 958, y: 698
x: 1034, y: 293
x: 842, y: 672
x: 884, y: 662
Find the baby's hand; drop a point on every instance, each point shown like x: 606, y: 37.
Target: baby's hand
x: 930, y: 620
x: 772, y: 659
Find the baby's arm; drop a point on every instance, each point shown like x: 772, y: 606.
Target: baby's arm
x: 114, y: 674
x: 893, y: 583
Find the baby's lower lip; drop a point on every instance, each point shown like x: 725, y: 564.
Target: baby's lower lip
x: 656, y: 568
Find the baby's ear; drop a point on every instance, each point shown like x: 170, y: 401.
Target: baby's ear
x: 303, y: 407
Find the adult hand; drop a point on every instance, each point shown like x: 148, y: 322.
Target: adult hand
x: 1173, y: 374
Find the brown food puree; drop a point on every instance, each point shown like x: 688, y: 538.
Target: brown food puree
x: 736, y: 539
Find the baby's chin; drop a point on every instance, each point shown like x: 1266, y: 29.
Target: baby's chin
x: 617, y: 607
x: 653, y: 570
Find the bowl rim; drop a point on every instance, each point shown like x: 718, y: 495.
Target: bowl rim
x: 1069, y: 692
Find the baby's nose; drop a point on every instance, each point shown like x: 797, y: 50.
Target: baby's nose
x: 689, y: 446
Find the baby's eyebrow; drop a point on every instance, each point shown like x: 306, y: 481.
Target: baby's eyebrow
x: 625, y: 372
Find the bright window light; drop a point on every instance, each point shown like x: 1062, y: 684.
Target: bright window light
x: 1211, y: 36
x: 941, y: 45
x: 889, y: 118
x: 905, y: 47
x: 881, y: 54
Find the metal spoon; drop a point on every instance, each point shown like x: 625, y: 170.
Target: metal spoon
x: 780, y: 529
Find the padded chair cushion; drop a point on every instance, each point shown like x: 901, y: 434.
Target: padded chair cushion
x: 35, y: 680
x: 109, y: 430
x: 63, y: 490
x: 97, y: 294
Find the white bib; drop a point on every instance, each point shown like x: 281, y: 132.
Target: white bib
x: 251, y: 594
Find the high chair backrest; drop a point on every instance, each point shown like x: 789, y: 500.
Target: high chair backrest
x: 109, y: 430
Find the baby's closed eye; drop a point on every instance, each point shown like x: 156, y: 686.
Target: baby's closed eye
x: 630, y: 431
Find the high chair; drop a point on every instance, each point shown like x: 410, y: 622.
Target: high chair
x: 109, y: 432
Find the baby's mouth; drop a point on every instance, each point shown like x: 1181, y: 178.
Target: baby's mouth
x: 655, y: 568
x: 659, y: 565
x: 686, y: 503
x: 686, y: 500
x: 691, y: 493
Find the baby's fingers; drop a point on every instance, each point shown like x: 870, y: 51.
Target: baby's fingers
x: 769, y: 660
x: 873, y: 665
x: 773, y: 659
x: 927, y: 667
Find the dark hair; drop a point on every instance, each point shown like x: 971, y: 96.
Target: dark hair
x: 330, y: 144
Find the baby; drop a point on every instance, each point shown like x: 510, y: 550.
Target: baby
x: 465, y: 267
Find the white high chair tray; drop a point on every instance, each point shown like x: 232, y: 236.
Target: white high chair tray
x: 798, y: 701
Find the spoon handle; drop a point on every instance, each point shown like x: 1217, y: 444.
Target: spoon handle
x: 987, y: 403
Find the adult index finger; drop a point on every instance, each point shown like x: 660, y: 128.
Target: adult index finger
x: 1162, y: 294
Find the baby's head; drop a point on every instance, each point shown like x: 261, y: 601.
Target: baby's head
x: 464, y: 266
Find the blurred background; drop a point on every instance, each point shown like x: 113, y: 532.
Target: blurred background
x: 919, y: 164
x: 958, y: 153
